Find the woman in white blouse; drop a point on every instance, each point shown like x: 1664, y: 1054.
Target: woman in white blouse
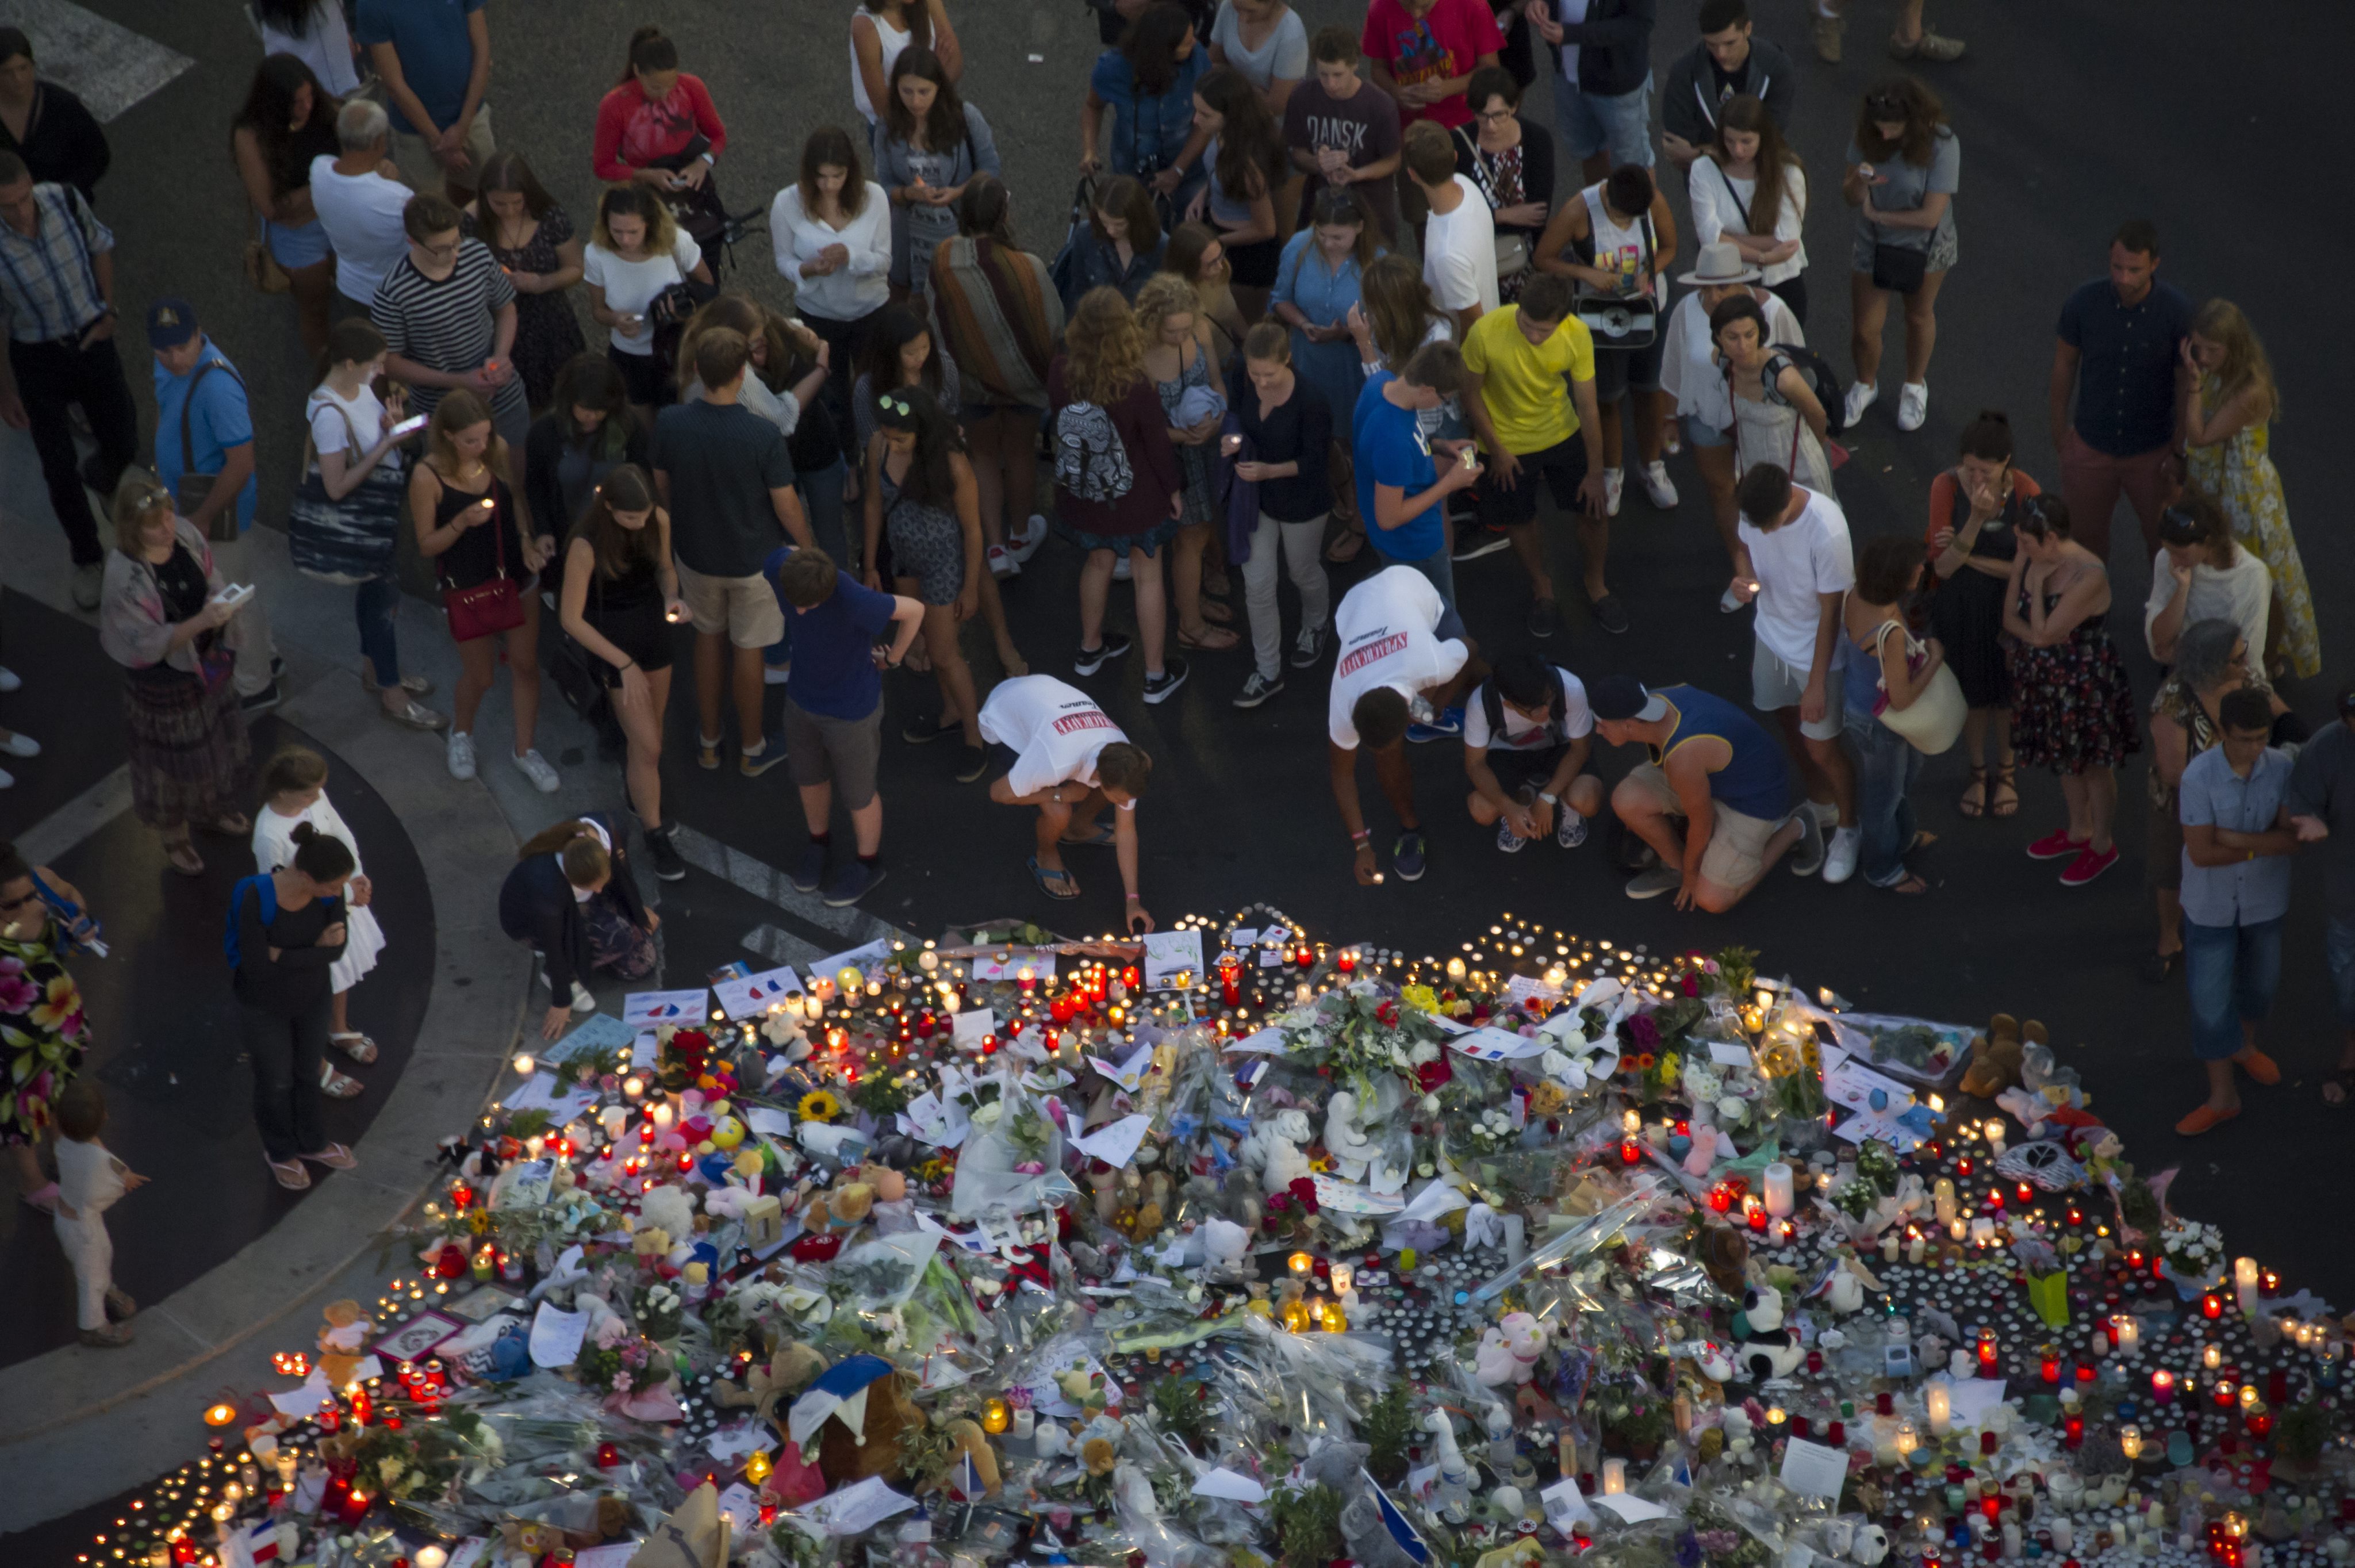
x: 637, y: 253
x: 831, y: 234
x: 1749, y: 191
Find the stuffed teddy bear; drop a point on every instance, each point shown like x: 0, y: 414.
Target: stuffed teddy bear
x: 1345, y: 1136
x: 343, y: 1343
x: 1509, y: 1352
x: 969, y: 1442
x: 1274, y: 1149
x: 843, y: 1207
x: 1763, y: 1349
x: 1996, y: 1055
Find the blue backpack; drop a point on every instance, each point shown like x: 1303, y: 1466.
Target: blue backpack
x: 268, y: 890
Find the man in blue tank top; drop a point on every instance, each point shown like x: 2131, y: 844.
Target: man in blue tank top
x: 1713, y: 800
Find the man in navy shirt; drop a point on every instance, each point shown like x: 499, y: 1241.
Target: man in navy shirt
x: 435, y: 59
x: 2121, y: 348
x: 833, y: 720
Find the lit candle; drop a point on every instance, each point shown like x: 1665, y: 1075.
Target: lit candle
x: 1778, y: 1190
x: 1959, y: 1228
x: 2244, y: 1283
x: 1916, y: 1245
x: 429, y: 1557
x: 2162, y: 1387
x: 2129, y: 1442
x: 2212, y: 1356
x: 1614, y: 1476
x: 2129, y: 1333
x: 1938, y: 1403
x: 1300, y: 1263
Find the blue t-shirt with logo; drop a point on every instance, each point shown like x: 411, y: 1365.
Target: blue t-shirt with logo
x: 217, y: 420
x: 1392, y: 449
x: 833, y: 672
x: 437, y: 57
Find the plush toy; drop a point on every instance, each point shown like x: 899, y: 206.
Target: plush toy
x: 1274, y: 1149
x: 1345, y: 1136
x: 1763, y: 1349
x: 1725, y: 1258
x: 1509, y: 1352
x: 1996, y: 1055
x: 1871, y: 1545
x: 843, y: 1207
x: 343, y: 1343
x: 784, y: 1374
x: 1225, y: 1243
x: 966, y: 1436
x: 669, y: 1209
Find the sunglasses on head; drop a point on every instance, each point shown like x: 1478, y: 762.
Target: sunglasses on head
x: 891, y: 405
x: 1882, y: 108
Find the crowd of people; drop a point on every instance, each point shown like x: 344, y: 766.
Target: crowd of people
x: 1319, y: 299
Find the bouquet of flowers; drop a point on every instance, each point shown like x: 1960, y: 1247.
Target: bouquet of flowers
x: 2195, y: 1252
x: 1363, y: 1032
x: 658, y: 1309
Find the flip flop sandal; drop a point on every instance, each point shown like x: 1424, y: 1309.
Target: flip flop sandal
x: 335, y: 1156
x: 46, y: 1199
x: 337, y: 1085
x: 1212, y: 609
x: 356, y: 1045
x: 1103, y: 835
x: 1207, y: 641
x: 2344, y: 1077
x: 290, y: 1173
x: 1054, y: 885
x: 1979, y: 782
x: 183, y: 858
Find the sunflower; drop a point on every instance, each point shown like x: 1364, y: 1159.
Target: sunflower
x: 818, y: 1105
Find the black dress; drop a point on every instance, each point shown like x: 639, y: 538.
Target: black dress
x: 1966, y: 611
x: 627, y: 608
x: 547, y: 331
x: 63, y: 143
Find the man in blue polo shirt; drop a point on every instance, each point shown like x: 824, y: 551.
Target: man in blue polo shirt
x: 833, y: 720
x: 2121, y: 347
x: 205, y: 428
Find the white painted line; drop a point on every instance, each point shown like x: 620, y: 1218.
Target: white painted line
x: 772, y: 886
x: 47, y: 840
x: 781, y: 947
x: 108, y: 65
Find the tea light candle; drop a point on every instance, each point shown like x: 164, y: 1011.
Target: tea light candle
x: 1301, y: 1263
x: 1778, y: 1190
x: 2129, y: 1443
x: 1614, y: 1476
x: 1996, y: 1133
x: 1938, y: 1403
x: 2244, y: 1284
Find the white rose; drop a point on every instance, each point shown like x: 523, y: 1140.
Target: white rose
x: 1730, y: 1107
x: 1430, y: 1104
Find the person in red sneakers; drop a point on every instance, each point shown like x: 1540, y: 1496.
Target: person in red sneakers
x: 2237, y: 840
x: 2072, y: 708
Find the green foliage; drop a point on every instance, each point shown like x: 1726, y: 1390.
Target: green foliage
x: 2300, y: 1431
x: 529, y: 1122
x: 1183, y: 1409
x: 1307, y: 1522
x: 2138, y: 1206
x: 1737, y: 968
x: 1387, y: 1427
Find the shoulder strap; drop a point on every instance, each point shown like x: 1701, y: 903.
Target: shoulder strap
x: 1740, y: 205
x: 187, y: 404
x: 1492, y: 708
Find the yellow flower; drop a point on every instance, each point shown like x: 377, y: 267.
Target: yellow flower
x: 818, y: 1105
x: 1422, y: 997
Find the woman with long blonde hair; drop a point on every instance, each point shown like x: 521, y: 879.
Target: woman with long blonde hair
x: 1193, y: 401
x: 1119, y: 488
x: 2229, y: 401
x: 463, y: 504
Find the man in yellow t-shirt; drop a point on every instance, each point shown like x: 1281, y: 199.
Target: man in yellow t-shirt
x: 1529, y: 364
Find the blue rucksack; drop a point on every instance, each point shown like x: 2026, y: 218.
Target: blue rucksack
x: 268, y: 890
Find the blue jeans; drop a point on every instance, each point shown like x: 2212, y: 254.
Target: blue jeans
x: 373, y: 603
x: 1886, y: 767
x: 2231, y: 972
x: 1588, y: 124
x: 2339, y: 942
x: 821, y: 492
x: 1441, y: 570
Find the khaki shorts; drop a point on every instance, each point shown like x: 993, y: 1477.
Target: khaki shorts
x: 743, y: 607
x: 1736, y: 856
x: 418, y: 161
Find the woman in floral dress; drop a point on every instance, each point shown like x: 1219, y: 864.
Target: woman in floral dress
x: 2072, y: 708
x: 43, y: 1030
x: 2227, y: 408
x: 533, y: 242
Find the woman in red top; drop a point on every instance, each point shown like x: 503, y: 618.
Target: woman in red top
x: 1117, y: 484
x: 658, y: 128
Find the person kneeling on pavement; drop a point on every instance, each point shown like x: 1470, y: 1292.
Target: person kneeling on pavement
x: 1071, y: 762
x: 1405, y: 659
x: 572, y: 897
x: 1711, y: 799
x: 1526, y: 735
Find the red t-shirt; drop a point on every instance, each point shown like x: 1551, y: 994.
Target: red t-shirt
x: 1448, y: 42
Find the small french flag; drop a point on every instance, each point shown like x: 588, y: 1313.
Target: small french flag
x: 1401, y: 1529
x: 966, y: 1483
x: 250, y: 1547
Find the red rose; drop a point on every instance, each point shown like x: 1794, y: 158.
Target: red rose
x: 1304, y: 1189
x: 1431, y: 1074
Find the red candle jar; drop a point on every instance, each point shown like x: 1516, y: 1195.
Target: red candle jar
x: 1963, y: 1166
x: 2212, y: 1306
x: 2052, y: 1369
x: 1630, y: 1151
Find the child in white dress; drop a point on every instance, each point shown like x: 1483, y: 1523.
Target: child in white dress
x: 294, y: 786
x: 90, y: 1180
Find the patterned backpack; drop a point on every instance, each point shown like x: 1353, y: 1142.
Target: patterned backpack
x: 1091, y: 464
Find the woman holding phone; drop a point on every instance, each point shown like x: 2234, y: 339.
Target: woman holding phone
x: 464, y: 508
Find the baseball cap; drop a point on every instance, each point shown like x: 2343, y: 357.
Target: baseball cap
x: 170, y: 323
x: 1619, y: 699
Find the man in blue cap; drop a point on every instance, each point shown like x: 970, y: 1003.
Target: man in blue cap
x: 204, y: 455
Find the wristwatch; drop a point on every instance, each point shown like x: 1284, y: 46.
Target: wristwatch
x: 1549, y: 797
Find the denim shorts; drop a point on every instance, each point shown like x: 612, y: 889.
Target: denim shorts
x: 1590, y: 123
x: 292, y: 248
x: 1699, y: 431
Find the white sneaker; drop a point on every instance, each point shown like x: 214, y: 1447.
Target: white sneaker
x: 776, y: 674
x: 17, y: 745
x: 582, y: 1002
x: 1658, y: 487
x: 1002, y: 562
x: 1120, y: 568
x: 1860, y: 397
x: 1827, y: 814
x: 1839, y: 860
x: 9, y: 680
x: 1614, y: 481
x: 1913, y: 405
x: 1025, y: 544
x: 535, y: 767
x: 7, y: 779
x: 462, y: 754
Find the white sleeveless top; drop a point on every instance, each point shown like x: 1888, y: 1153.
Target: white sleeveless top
x: 1623, y: 249
x: 893, y: 41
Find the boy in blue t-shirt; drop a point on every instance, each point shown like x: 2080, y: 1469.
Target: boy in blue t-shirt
x: 1400, y: 490
x: 833, y: 719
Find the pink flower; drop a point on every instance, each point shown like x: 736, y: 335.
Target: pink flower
x: 17, y: 995
x: 621, y: 1383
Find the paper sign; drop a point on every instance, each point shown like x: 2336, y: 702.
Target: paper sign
x: 1437, y: 1197
x: 1222, y: 1482
x: 1268, y: 1042
x: 1633, y: 1510
x: 1116, y: 1144
x: 1523, y: 988
x: 1854, y: 1085
x: 857, y: 1508
x: 737, y: 1505
x: 1970, y: 1399
x: 1169, y: 954
x: 1903, y: 1133
x: 1493, y: 1044
x: 972, y: 1026
x: 598, y: 1032
x: 556, y: 1337
x: 737, y: 1439
x: 756, y: 994
x: 1721, y: 1054
x: 1353, y: 1198
x: 684, y: 1008
x: 1242, y: 936
x: 1041, y: 964
x: 1565, y: 1505
x: 469, y: 1552
x: 1130, y: 1073
x: 1811, y: 1470
x: 414, y: 1339
x: 305, y: 1400
x: 770, y: 1120
x: 541, y: 1093
x: 942, y: 1122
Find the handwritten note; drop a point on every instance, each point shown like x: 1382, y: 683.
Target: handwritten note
x: 1812, y: 1469
x: 556, y: 1337
x: 1114, y: 1145
x: 991, y: 967
x: 1169, y: 954
x: 756, y: 994
x: 684, y: 1008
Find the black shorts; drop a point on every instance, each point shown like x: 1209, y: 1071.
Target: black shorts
x: 638, y: 630
x: 1535, y: 769
x: 1563, y: 465
x: 1255, y: 264
x: 1618, y: 372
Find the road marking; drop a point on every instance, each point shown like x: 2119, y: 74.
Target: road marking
x: 781, y: 947
x: 765, y: 882
x: 109, y: 67
x: 46, y: 841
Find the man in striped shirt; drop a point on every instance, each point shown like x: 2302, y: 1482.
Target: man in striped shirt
x: 448, y: 314
x: 57, y: 280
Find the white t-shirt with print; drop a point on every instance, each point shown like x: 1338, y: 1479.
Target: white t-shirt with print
x: 1388, y: 628
x: 1523, y: 733
x: 1459, y: 253
x: 1806, y: 555
x: 631, y: 286
x: 1055, y: 730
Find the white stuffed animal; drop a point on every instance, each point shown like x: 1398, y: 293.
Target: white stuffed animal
x: 1274, y: 1148
x: 1225, y: 1243
x: 1509, y: 1352
x: 1765, y: 1349
x: 1345, y: 1136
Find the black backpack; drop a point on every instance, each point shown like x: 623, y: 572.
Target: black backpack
x: 1825, y: 383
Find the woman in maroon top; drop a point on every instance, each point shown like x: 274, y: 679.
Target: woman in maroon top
x: 1117, y: 484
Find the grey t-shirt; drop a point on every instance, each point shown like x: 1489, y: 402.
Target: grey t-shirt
x: 2323, y: 784
x: 1909, y: 185
x: 1282, y: 53
x: 721, y: 460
